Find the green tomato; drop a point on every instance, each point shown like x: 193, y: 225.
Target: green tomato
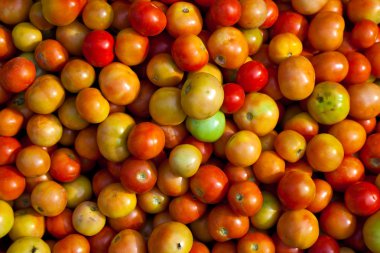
x: 329, y: 103
x: 207, y: 130
x: 371, y: 232
x: 269, y: 212
x: 6, y: 218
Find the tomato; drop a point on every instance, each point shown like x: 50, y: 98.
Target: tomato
x: 364, y: 33
x: 233, y: 98
x: 243, y: 148
x: 205, y: 148
x: 72, y: 36
x: 73, y: 242
x: 364, y: 100
x: 258, y: 114
x: 11, y: 122
x: 92, y: 105
x: 185, y: 159
x: 170, y: 237
x: 209, y: 129
x: 371, y: 232
x: 183, y: 18
x: 186, y: 208
x: 359, y: 68
x: 120, y: 15
x: 323, y: 196
x: 209, y: 184
x: 372, y: 55
x: 337, y: 221
x: 127, y: 240
x: 326, y: 25
x: 28, y: 244
x: 245, y: 198
x: 165, y: 106
x: 272, y: 14
x: 101, y: 241
x: 359, y: 10
x: 51, y: 55
x: 153, y: 201
x: 52, y: 11
x: 189, y: 52
x: 224, y: 224
x: 163, y: 71
x: 225, y: 12
x: 330, y: 66
x: 78, y: 191
x: 199, y: 247
x: 325, y: 244
x: 290, y: 145
x: 228, y: 47
x: 6, y: 218
x: 26, y: 36
x: 15, y: 11
x: 49, y: 198
x: 12, y: 183
x: 268, y: 214
x: 27, y: 222
x: 269, y: 167
x: 131, y: 48
x: 19, y: 67
x: 369, y: 154
x: 298, y: 228
x: 281, y: 247
x: 9, y: 147
x: 76, y: 75
x: 224, y: 247
x: 252, y: 76
x: 31, y: 182
x: 362, y: 198
x: 284, y: 45
x: 302, y: 123
x: 296, y: 77
x: 37, y: 19
x: 257, y: 241
x: 87, y: 219
x: 170, y: 183
x: 61, y: 225
x: 98, y: 48
x: 290, y: 21
x: 37, y: 130
x: 253, y: 13
x: 101, y: 179
x: 201, y: 96
x: 97, y: 15
x: 33, y: 161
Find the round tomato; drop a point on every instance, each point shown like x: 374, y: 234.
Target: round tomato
x: 12, y: 183
x: 362, y: 198
x: 98, y: 48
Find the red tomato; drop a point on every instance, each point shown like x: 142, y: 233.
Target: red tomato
x: 370, y: 153
x: 146, y: 140
x: 359, y: 68
x: 324, y: 244
x: 100, y: 242
x: 362, y: 198
x: 186, y: 208
x: 146, y: 18
x: 293, y: 22
x: 255, y: 241
x: 61, y: 225
x: 206, y: 148
x: 245, y: 198
x: 252, y: 76
x: 9, y: 147
x: 272, y: 14
x: 225, y: 12
x: 51, y: 55
x: 373, y: 55
x: 65, y: 165
x: 364, y: 33
x: 72, y: 243
x: 12, y: 183
x: 209, y: 184
x: 98, y: 48
x: 233, y: 98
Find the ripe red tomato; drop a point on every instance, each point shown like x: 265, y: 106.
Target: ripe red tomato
x: 233, y: 98
x: 100, y: 242
x: 98, y: 48
x: 61, y: 225
x: 245, y: 198
x: 9, y: 147
x: 370, y: 153
x: 186, y: 208
x: 290, y: 21
x: 12, y: 183
x: 362, y: 198
x: 51, y: 55
x: 324, y: 244
x: 252, y: 76
x: 209, y: 184
x: 359, y: 68
x: 72, y: 243
x: 146, y: 18
x: 65, y: 165
x: 225, y: 12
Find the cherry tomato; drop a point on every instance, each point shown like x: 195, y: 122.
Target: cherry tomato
x: 362, y: 198
x: 98, y: 48
x: 252, y: 76
x: 233, y: 98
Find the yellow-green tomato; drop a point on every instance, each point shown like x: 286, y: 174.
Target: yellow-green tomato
x: 27, y: 222
x: 185, y: 159
x: 29, y: 244
x: 26, y: 36
x: 202, y: 95
x: 78, y: 191
x: 371, y: 232
x: 112, y: 136
x: 6, y: 218
x: 207, y: 130
x: 115, y: 202
x: 268, y: 214
x: 87, y: 218
x: 329, y: 103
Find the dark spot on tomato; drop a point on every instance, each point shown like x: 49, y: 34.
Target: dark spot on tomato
x: 34, y: 249
x: 239, y: 197
x: 179, y: 246
x: 255, y: 247
x: 249, y: 116
x: 185, y: 10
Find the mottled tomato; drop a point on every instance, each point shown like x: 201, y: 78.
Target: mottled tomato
x: 269, y: 167
x: 98, y: 48
x: 205, y: 148
x: 209, y: 184
x: 44, y: 130
x: 258, y: 114
x: 337, y: 221
x: 284, y: 45
x: 17, y: 74
x: 302, y: 123
x: 269, y: 212
x: 92, y: 105
x: 78, y: 191
x: 362, y: 198
x: 87, y: 219
x: 153, y: 201
x: 245, y: 198
x: 76, y: 75
x: 51, y: 55
x: 189, y: 52
x: 72, y: 36
x: 170, y: 183
x: 228, y: 47
x: 65, y: 165
x: 298, y: 228
x: 131, y: 48
x: 185, y: 159
x: 224, y: 224
x: 146, y: 18
x: 290, y: 145
x: 170, y: 237
x: 370, y: 153
x: 368, y: 9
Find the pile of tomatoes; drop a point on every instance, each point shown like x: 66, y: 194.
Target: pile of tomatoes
x: 169, y: 126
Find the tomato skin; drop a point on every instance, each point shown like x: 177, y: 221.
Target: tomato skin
x: 245, y: 198
x: 209, y: 184
x: 325, y: 244
x: 52, y: 11
x: 224, y: 224
x: 370, y: 153
x: 359, y: 68
x: 98, y: 48
x: 362, y: 198
x: 233, y: 98
x: 371, y: 232
x: 51, y: 55
x: 9, y: 147
x: 252, y: 76
x: 255, y: 241
x: 61, y: 225
x: 186, y: 208
x: 12, y: 183
x: 146, y: 18
x: 372, y: 54
x: 225, y: 12
x: 72, y: 243
x: 17, y: 74
x: 65, y: 165
x: 290, y: 21
x: 127, y: 240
